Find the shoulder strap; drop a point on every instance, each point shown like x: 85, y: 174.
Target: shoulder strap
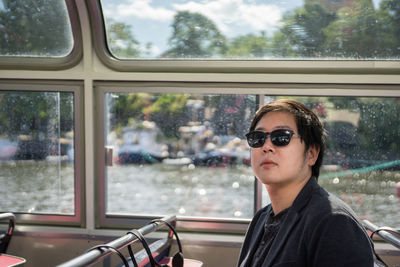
x: 173, y: 230
x: 146, y: 247
x: 132, y: 256
x: 177, y: 259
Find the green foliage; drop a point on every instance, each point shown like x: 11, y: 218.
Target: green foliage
x: 389, y: 28
x: 195, y: 36
x: 357, y: 32
x: 168, y: 111
x: 168, y: 103
x: 250, y: 46
x: 354, y: 33
x: 281, y: 46
x: 379, y: 128
x: 303, y: 31
x: 35, y: 28
x: 34, y: 113
x: 121, y: 41
x: 126, y: 107
x: 231, y: 113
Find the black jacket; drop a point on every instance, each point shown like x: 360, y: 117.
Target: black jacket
x: 319, y: 230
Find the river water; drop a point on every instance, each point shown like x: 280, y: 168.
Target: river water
x: 224, y: 192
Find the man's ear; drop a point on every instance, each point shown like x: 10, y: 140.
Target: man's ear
x: 312, y: 155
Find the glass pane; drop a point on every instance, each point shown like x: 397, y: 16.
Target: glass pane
x: 39, y: 28
x: 37, y: 152
x: 362, y: 160
x: 179, y: 154
x: 253, y: 29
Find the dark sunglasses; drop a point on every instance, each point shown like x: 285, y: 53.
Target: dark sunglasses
x: 280, y: 137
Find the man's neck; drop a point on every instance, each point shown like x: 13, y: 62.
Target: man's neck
x: 282, y: 196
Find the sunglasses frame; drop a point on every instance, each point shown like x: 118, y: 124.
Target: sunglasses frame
x: 273, y: 136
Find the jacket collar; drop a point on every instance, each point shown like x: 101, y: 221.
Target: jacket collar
x: 292, y: 217
x: 258, y: 233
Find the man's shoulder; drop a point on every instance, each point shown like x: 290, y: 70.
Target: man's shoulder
x: 323, y: 204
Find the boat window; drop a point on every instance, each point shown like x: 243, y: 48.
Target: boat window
x: 335, y: 30
x: 38, y: 173
x: 186, y: 154
x: 179, y: 153
x: 35, y: 29
x: 362, y: 159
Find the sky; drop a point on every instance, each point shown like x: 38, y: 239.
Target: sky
x: 151, y: 19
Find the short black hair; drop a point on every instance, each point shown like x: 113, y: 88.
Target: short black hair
x: 309, y: 127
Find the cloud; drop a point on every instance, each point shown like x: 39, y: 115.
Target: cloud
x: 232, y: 17
x: 228, y: 15
x: 141, y: 9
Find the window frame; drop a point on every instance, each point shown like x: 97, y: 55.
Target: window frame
x: 51, y: 63
x: 79, y: 184
x: 300, y: 66
x: 192, y: 223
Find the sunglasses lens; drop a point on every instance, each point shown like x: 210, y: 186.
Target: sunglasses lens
x: 256, y: 139
x: 278, y: 138
x: 281, y: 137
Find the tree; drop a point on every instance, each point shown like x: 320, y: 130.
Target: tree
x: 195, y: 36
x: 389, y: 29
x: 168, y: 112
x: 35, y: 113
x: 37, y: 120
x: 127, y: 107
x: 281, y: 46
x: 250, y: 46
x: 302, y: 32
x: 377, y: 133
x: 354, y: 33
x: 121, y: 41
x: 34, y: 28
x: 231, y: 114
x: 379, y: 128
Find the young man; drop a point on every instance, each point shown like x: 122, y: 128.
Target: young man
x: 304, y: 225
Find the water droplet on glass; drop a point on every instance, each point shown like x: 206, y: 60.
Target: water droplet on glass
x: 238, y: 213
x: 178, y: 190
x: 202, y: 192
x: 191, y: 167
x: 182, y: 210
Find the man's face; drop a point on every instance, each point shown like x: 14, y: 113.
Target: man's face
x: 281, y: 165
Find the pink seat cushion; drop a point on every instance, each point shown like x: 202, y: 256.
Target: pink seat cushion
x: 9, y: 260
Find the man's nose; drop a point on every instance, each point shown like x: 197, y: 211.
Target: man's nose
x: 268, y: 146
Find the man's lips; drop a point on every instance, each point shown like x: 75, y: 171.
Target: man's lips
x: 268, y: 163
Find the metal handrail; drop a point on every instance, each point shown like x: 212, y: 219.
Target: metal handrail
x: 96, y: 255
x: 384, y: 234
x: 5, y: 239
